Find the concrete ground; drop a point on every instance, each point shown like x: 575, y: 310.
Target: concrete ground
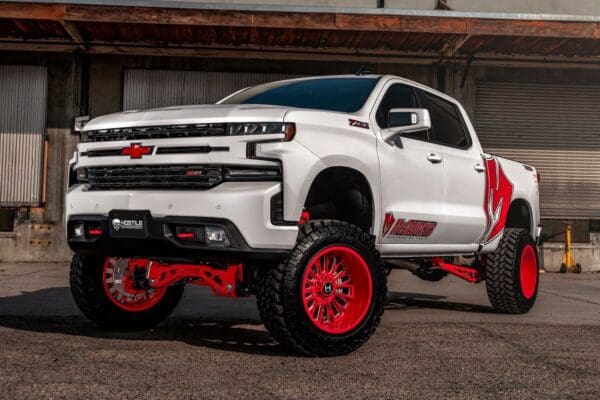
x: 437, y: 341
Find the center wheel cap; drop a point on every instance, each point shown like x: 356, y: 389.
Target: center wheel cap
x: 327, y: 288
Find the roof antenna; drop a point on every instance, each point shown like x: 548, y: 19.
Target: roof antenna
x: 363, y: 71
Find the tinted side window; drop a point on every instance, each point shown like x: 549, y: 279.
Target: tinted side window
x: 397, y: 96
x: 445, y: 120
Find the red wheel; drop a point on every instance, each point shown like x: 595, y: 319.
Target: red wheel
x: 124, y: 281
x: 337, y: 289
x: 528, y: 272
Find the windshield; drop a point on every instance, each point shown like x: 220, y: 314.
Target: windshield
x: 332, y: 94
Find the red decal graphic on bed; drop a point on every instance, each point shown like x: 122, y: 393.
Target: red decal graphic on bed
x: 498, y: 195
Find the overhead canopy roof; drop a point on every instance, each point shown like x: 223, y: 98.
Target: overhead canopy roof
x: 381, y: 35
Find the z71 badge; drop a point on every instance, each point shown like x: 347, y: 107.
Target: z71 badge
x: 358, y: 124
x: 407, y: 228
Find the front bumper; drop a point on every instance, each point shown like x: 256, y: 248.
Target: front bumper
x: 162, y: 243
x: 244, y: 208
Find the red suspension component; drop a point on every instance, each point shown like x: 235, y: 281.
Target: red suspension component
x: 467, y: 273
x: 222, y: 282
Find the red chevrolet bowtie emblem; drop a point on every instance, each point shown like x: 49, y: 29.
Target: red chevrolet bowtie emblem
x: 136, y: 150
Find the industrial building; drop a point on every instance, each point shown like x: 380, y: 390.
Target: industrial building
x: 528, y: 73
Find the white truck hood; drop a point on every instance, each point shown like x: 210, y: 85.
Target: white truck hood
x: 181, y: 115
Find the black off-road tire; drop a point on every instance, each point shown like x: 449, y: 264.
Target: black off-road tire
x: 91, y: 298
x: 502, y: 274
x: 279, y: 295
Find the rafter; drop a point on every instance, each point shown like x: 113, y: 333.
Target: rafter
x: 451, y: 47
x: 75, y: 34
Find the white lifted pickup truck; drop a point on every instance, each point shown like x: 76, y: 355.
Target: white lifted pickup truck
x: 305, y: 193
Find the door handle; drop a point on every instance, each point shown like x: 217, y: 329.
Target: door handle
x: 479, y: 168
x: 434, y: 158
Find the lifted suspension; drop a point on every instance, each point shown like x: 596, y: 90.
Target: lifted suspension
x: 470, y: 274
x: 434, y: 269
x: 222, y: 281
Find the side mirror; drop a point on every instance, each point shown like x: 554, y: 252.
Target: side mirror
x: 79, y: 123
x: 406, y: 120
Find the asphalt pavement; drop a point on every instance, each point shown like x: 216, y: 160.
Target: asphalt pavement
x: 437, y: 341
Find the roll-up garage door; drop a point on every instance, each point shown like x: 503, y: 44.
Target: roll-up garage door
x: 22, y: 127
x: 555, y: 128
x: 143, y: 89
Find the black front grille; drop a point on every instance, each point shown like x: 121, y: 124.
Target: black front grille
x: 180, y: 177
x: 155, y: 132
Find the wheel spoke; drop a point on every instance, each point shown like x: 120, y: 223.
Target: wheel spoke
x: 345, y: 285
x: 318, y: 265
x: 325, y: 316
x: 340, y: 301
x: 339, y: 271
x: 346, y: 296
x: 334, y: 308
x: 317, y: 312
x: 330, y: 263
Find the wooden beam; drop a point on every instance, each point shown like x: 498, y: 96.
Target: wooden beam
x: 559, y: 29
x: 56, y: 47
x: 262, y: 54
x: 521, y: 58
x: 150, y: 15
x: 309, y: 54
x: 299, y: 20
x: 332, y: 21
x: 35, y: 11
x: 400, y: 23
x: 73, y: 32
x: 341, y: 55
x: 452, y: 47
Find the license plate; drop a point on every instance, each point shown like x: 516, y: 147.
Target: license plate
x: 129, y: 224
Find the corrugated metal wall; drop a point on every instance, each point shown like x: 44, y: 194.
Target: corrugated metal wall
x: 143, y: 89
x: 555, y: 128
x: 23, y: 92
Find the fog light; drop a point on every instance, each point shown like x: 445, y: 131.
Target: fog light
x: 78, y: 231
x: 191, y: 234
x: 216, y: 236
x: 94, y: 231
x: 186, y: 235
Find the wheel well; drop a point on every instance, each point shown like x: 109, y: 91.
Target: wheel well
x: 341, y: 193
x: 519, y: 215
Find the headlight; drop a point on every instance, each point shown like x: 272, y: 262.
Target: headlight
x: 262, y: 128
x: 252, y: 174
